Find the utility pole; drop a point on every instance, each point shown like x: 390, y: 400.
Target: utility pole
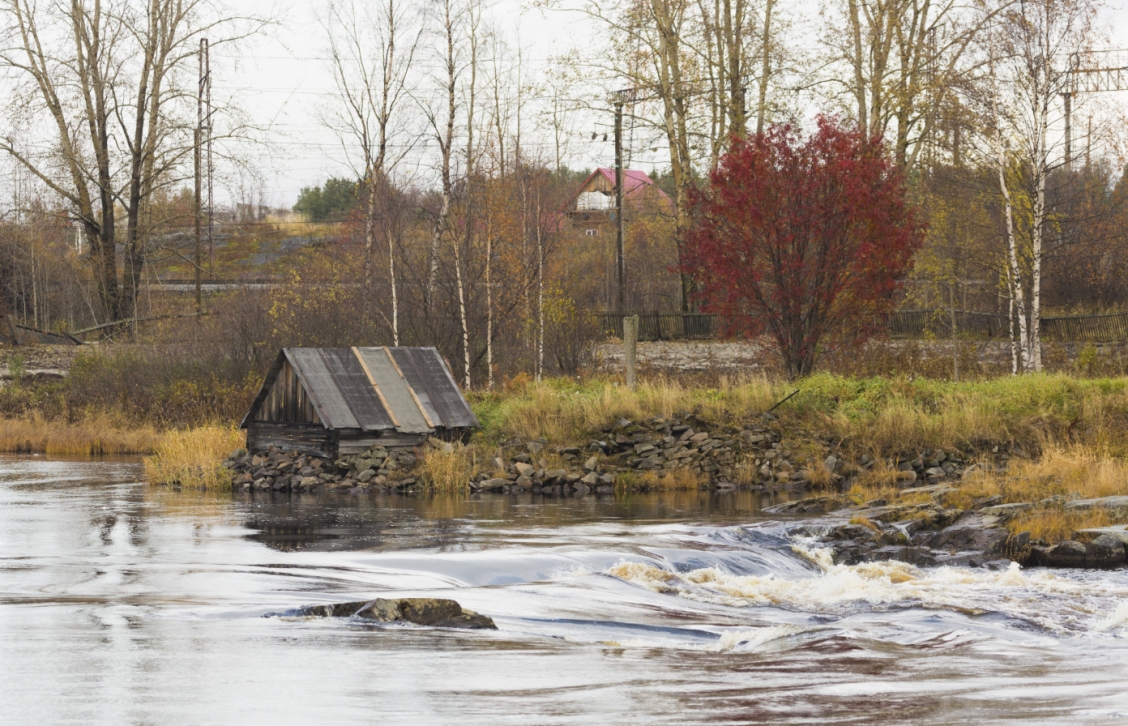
x: 197, y: 196
x: 206, y: 126
x: 620, y: 261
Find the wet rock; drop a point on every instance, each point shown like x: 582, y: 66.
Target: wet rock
x: 916, y: 556
x: 492, y: 484
x: 963, y: 538
x: 433, y: 612
x: 812, y: 505
x: 1105, y: 552
x: 1063, y: 554
x: 852, y: 532
x: 1120, y: 531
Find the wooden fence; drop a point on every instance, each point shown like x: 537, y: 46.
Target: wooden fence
x: 1107, y: 328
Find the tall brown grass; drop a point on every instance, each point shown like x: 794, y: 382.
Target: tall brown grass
x: 193, y: 458
x: 97, y: 435
x: 1075, y: 471
x: 448, y: 471
x: 1053, y: 524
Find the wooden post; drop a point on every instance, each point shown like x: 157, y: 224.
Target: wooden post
x: 15, y: 331
x: 630, y: 345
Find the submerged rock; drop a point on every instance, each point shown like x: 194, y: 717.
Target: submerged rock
x: 812, y: 505
x: 433, y: 612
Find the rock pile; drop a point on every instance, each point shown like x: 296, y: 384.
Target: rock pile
x: 638, y: 454
x: 668, y: 452
x: 378, y: 468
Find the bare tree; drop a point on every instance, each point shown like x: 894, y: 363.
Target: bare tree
x: 372, y: 50
x: 112, y: 80
x: 906, y: 61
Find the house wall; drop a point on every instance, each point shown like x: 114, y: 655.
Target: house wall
x: 303, y: 438
x: 287, y: 400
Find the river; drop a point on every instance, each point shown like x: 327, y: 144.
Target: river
x: 127, y: 604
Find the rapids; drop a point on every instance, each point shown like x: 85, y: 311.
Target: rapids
x: 121, y: 603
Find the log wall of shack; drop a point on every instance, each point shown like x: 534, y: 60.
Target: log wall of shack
x: 303, y: 438
x: 287, y: 400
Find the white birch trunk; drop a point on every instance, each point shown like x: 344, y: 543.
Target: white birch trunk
x: 462, y: 315
x: 489, y: 309
x: 1015, y: 272
x: 540, y: 297
x: 1040, y: 173
x: 395, y: 294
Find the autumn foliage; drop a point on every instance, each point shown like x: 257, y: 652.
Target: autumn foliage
x: 806, y: 240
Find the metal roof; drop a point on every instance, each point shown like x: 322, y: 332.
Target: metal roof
x: 373, y: 389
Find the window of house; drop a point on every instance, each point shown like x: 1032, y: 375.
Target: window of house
x: 590, y: 232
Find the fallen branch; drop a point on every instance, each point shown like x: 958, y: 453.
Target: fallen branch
x: 785, y: 400
x: 139, y: 320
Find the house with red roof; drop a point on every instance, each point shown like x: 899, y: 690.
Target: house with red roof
x: 591, y: 209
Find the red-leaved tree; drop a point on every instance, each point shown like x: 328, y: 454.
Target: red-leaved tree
x: 804, y: 239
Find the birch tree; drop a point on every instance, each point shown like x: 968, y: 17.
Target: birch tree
x: 1032, y: 45
x: 371, y: 54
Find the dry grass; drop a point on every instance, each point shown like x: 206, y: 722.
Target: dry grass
x: 563, y: 411
x: 880, y: 481
x: 1052, y: 524
x: 192, y: 458
x: 865, y: 522
x: 820, y: 477
x: 1074, y: 472
x: 448, y: 471
x: 1063, y: 472
x: 95, y: 436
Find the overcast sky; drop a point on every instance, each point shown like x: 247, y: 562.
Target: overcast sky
x: 284, y: 83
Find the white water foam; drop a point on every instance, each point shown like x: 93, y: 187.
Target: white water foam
x: 1057, y: 602
x: 1117, y: 622
x: 745, y: 641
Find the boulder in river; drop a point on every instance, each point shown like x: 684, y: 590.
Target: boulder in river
x: 433, y: 612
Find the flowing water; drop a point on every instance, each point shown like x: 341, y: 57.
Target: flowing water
x: 127, y: 604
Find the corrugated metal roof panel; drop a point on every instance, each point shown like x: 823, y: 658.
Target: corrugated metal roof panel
x: 418, y: 384
x: 356, y: 389
x: 406, y: 411
x: 441, y: 388
x: 322, y: 389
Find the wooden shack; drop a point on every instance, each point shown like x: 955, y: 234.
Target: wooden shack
x: 337, y: 401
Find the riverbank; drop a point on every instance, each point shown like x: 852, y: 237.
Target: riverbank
x: 1038, y: 443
